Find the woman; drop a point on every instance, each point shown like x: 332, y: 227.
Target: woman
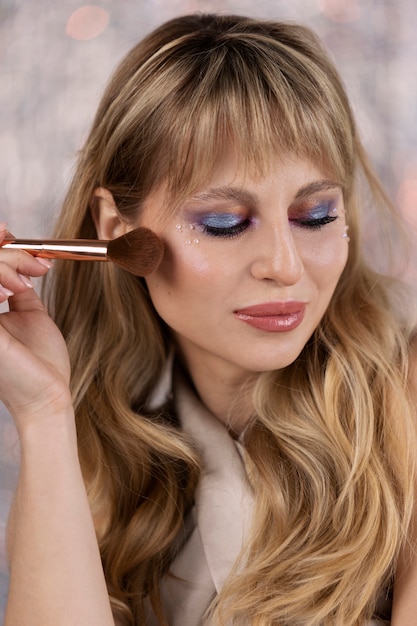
x: 244, y: 416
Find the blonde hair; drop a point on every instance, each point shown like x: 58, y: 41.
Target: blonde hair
x: 329, y: 452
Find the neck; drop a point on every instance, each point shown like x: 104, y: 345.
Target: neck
x: 227, y: 394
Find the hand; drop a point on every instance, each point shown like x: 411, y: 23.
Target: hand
x: 34, y: 366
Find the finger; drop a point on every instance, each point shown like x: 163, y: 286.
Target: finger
x: 14, y: 282
x: 16, y: 267
x: 23, y: 262
x: 28, y: 300
x: 24, y: 256
x: 5, y: 294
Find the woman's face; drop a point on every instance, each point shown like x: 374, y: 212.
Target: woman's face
x: 250, y: 266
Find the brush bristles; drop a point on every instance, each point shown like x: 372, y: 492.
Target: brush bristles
x: 139, y: 252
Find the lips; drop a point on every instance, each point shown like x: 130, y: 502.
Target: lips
x: 273, y: 316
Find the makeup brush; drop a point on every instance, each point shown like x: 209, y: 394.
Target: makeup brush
x: 138, y: 251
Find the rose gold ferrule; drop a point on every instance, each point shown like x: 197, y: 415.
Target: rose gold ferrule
x: 76, y: 249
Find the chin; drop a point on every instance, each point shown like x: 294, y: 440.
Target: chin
x: 268, y: 364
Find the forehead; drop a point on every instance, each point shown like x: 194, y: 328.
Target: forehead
x: 231, y: 179
x: 282, y: 166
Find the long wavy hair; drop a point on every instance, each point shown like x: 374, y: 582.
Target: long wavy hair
x: 329, y: 450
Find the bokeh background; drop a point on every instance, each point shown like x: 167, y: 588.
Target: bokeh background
x: 55, y: 57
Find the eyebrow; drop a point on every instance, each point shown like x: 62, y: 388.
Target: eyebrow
x: 245, y: 197
x: 316, y: 187
x: 226, y: 193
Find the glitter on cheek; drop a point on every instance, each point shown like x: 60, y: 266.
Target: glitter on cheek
x: 180, y: 229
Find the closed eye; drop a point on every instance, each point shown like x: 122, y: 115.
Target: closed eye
x: 225, y: 225
x: 316, y: 216
x: 314, y: 223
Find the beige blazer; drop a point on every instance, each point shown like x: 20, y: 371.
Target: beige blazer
x: 220, y: 519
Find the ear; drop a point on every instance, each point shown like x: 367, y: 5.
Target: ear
x: 106, y: 217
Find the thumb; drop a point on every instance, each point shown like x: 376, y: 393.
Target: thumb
x: 27, y: 300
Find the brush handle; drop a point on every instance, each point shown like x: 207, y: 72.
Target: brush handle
x: 75, y: 249
x: 138, y: 251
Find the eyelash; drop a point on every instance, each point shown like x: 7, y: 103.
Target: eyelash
x: 315, y: 223
x: 229, y: 232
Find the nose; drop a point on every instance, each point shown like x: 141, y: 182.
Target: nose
x: 278, y: 258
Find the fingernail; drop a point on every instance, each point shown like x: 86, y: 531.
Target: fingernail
x: 26, y: 280
x: 44, y: 262
x: 6, y: 292
x: 3, y: 225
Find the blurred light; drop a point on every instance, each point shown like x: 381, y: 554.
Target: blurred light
x: 340, y: 10
x: 87, y: 22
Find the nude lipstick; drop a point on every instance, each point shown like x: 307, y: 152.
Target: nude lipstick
x: 273, y: 317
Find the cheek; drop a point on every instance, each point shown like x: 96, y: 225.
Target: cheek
x: 326, y: 257
x: 187, y: 271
